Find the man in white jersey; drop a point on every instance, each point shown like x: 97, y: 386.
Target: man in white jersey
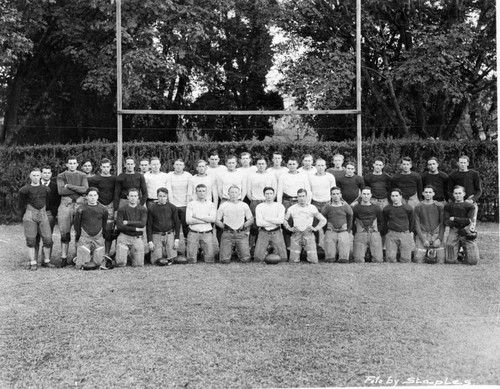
x: 303, y: 215
x: 231, y: 177
x: 269, y: 218
x: 289, y: 183
x: 307, y: 165
x: 200, y: 214
x: 177, y: 185
x: 155, y: 179
x: 144, y: 166
x: 202, y: 177
x: 213, y: 168
x: 321, y: 182
x: 256, y: 182
x: 276, y: 168
x: 234, y: 218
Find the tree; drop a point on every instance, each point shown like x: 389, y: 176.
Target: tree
x: 423, y: 63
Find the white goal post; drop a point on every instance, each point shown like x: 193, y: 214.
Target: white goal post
x: 120, y: 111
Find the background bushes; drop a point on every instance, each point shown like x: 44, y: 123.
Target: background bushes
x: 16, y: 162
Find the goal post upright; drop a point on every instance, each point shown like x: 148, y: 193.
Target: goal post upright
x: 120, y: 111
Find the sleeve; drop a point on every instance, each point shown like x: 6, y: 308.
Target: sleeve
x: 447, y: 215
x: 177, y: 222
x: 445, y: 186
x: 349, y: 216
x: 385, y: 217
x: 78, y: 223
x: 144, y: 190
x: 80, y: 189
x: 120, y: 217
x: 279, y: 192
x: 418, y: 178
x: 149, y: 224
x: 189, y: 214
x: 380, y: 217
x: 441, y: 222
x: 213, y: 212
x: 258, y: 216
x: 418, y: 230
x: 23, y: 201
x: 411, y: 219
x: 478, y: 189
x: 61, y: 182
x: 118, y: 190
x: 451, y: 185
x: 104, y: 219
x: 248, y: 212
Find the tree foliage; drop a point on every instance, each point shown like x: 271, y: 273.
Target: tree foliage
x: 428, y: 68
x: 425, y: 65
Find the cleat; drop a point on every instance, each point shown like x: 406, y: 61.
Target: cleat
x: 48, y: 265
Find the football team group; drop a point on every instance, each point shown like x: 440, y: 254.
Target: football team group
x: 250, y: 212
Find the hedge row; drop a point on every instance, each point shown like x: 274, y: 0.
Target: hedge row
x: 16, y: 162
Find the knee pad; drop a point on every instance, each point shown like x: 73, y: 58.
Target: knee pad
x: 31, y: 242
x: 47, y: 243
x: 66, y: 237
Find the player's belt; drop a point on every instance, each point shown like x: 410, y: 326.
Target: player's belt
x: 273, y: 230
x: 201, y: 232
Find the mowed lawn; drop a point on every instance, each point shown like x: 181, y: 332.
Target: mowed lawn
x: 248, y: 325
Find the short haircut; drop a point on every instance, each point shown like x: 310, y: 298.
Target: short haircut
x: 352, y: 163
x: 397, y: 190
x: 179, y: 160
x: 105, y: 160
x: 213, y: 153
x: 335, y: 188
x: 277, y: 153
x: 35, y: 169
x: 231, y: 157
x: 430, y: 187
x: 244, y: 153
x: 432, y: 159
x: 459, y: 187
x: 261, y: 158
x: 233, y: 187
x: 302, y: 190
x: 293, y: 159
x: 92, y: 189
x: 132, y: 190
x: 366, y: 188
x: 307, y: 156
x: 155, y: 159
x: 339, y: 155
x: 72, y: 157
x: 464, y: 157
x: 380, y: 159
x: 144, y: 159
x: 163, y: 190
x: 87, y: 160
x: 268, y: 188
x: 201, y: 161
x: 46, y: 167
x: 320, y: 159
x: 406, y: 159
x: 129, y: 159
x: 200, y: 186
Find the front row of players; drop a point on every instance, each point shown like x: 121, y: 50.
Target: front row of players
x: 398, y: 227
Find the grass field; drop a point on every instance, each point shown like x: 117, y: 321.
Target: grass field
x: 249, y: 325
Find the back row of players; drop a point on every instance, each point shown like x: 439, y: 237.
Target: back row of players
x: 146, y: 210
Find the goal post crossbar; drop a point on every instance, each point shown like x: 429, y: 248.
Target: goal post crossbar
x: 121, y: 112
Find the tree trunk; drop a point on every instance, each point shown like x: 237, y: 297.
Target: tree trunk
x: 10, y: 128
x: 455, y: 119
